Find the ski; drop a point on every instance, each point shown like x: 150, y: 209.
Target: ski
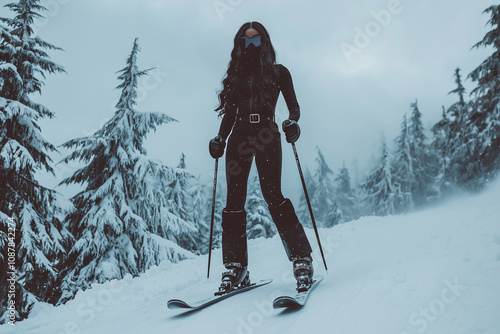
x: 297, y: 300
x: 178, y: 303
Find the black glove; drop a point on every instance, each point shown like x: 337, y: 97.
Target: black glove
x: 292, y: 130
x: 216, y: 147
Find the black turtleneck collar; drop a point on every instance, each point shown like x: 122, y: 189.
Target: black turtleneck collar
x: 251, y: 58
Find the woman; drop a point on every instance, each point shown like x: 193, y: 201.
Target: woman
x: 248, y: 99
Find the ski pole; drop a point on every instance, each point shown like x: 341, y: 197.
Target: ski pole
x: 309, y: 203
x: 213, y: 214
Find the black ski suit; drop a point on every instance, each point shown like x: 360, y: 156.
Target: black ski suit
x: 255, y: 133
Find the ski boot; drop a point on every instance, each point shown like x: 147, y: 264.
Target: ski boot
x: 303, y: 272
x: 235, y: 277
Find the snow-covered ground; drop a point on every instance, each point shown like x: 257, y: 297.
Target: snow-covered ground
x: 435, y: 271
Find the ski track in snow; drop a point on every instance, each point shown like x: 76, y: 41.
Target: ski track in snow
x: 433, y: 271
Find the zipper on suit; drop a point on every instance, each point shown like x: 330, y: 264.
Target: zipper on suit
x: 251, y: 95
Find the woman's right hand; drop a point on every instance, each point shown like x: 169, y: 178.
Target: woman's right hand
x: 216, y: 147
x: 292, y: 130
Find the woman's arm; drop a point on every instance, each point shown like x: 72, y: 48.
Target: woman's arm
x: 286, y: 86
x: 227, y: 121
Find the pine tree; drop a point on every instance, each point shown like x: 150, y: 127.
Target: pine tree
x: 458, y: 146
x: 259, y: 221
x: 484, y: 125
x: 460, y: 90
x: 201, y: 209
x: 41, y: 241
x: 180, y: 199
x: 439, y: 145
x: 379, y: 193
x: 303, y: 210
x: 343, y: 180
x: 345, y: 195
x: 202, y: 214
x: 403, y: 177
x: 126, y: 218
x: 323, y: 197
x: 26, y: 53
x: 423, y: 166
x: 182, y: 162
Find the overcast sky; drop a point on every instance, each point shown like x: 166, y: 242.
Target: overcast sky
x: 356, y: 67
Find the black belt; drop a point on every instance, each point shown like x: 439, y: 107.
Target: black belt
x: 255, y: 118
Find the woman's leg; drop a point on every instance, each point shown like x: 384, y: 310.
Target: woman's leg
x: 238, y: 164
x: 269, y: 161
x: 234, y: 240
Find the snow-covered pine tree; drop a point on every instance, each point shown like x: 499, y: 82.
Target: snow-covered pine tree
x: 460, y: 91
x: 343, y: 180
x: 379, y: 194
x: 439, y: 147
x: 202, y: 213
x: 124, y: 222
x: 180, y: 202
x: 403, y: 177
x: 423, y: 166
x: 259, y: 221
x: 484, y: 127
x: 345, y: 195
x: 201, y: 209
x: 323, y: 197
x: 303, y: 210
x: 182, y: 162
x: 40, y: 239
x: 27, y: 53
x: 458, y: 144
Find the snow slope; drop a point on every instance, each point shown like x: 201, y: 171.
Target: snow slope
x: 435, y: 271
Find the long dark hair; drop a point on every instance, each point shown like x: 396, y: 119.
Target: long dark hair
x: 228, y: 96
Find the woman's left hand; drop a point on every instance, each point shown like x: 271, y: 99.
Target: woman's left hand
x: 292, y: 130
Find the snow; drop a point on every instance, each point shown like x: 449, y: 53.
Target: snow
x: 433, y: 271
x: 16, y: 156
x: 12, y: 108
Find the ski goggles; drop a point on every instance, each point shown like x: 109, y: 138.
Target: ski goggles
x: 255, y: 40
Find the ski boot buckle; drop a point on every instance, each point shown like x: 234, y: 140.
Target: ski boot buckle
x: 232, y: 279
x: 303, y: 272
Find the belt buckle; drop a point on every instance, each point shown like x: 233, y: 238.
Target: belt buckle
x: 254, y: 118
